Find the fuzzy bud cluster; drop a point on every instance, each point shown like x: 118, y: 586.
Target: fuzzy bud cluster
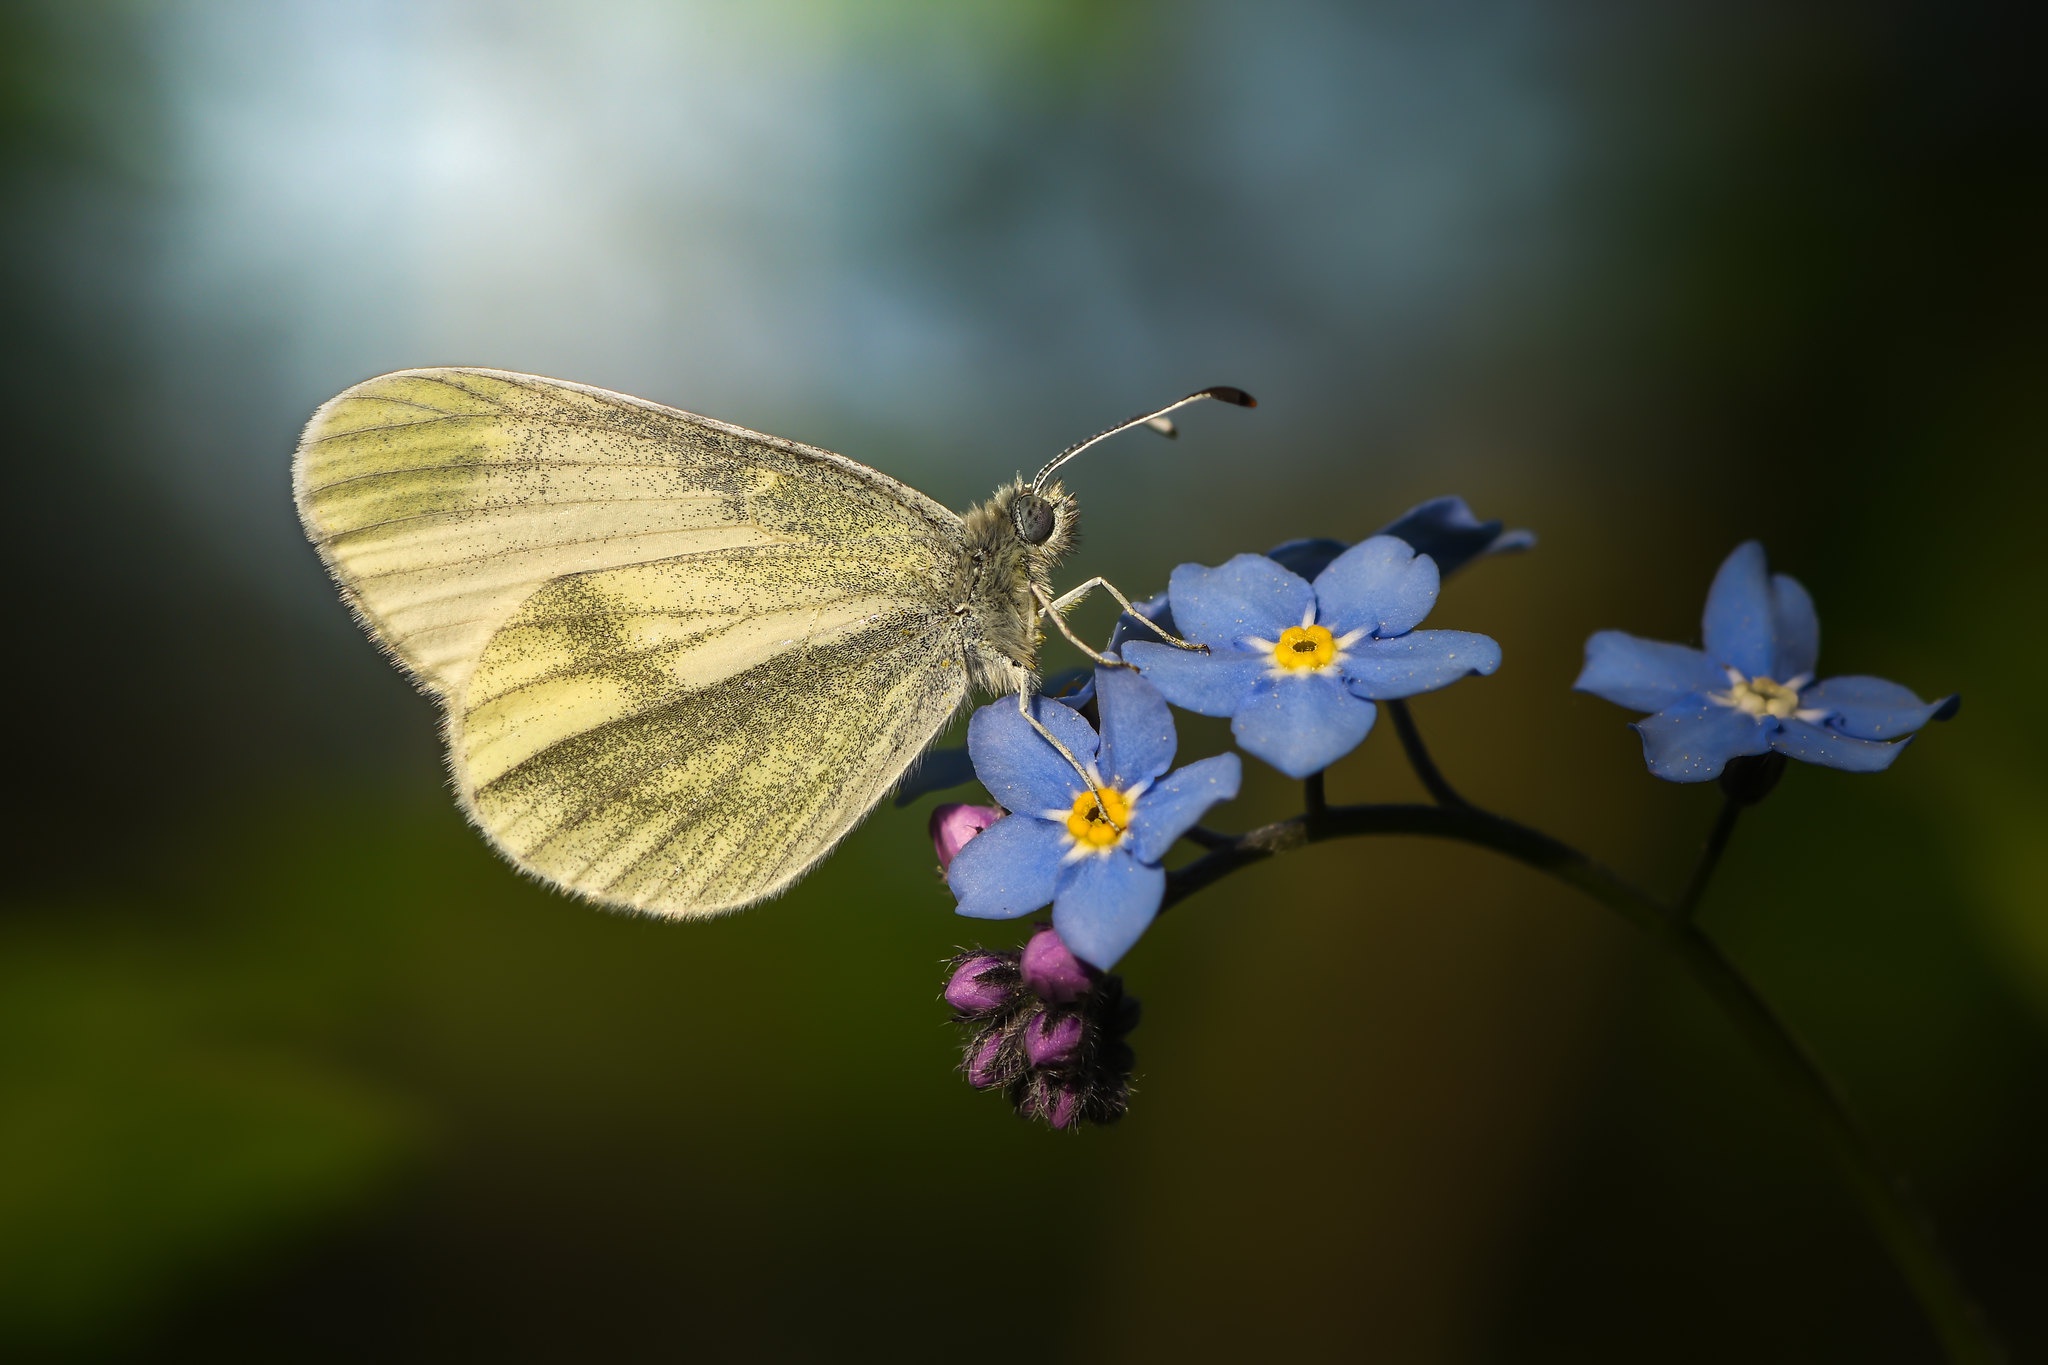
x: 1046, y: 1029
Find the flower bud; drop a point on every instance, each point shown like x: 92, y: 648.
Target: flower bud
x: 986, y: 1065
x: 1054, y: 1038
x: 1064, y: 1108
x: 954, y: 824
x: 1058, y: 1102
x: 1052, y: 971
x: 983, y: 982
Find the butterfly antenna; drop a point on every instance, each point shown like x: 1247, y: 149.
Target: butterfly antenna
x: 1223, y: 393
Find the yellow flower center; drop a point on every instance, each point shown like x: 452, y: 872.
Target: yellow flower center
x: 1086, y: 821
x: 1761, y: 696
x: 1304, y: 647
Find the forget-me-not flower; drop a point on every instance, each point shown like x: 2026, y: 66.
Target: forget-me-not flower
x: 1751, y: 690
x: 1297, y: 666
x: 1098, y: 864
x: 1442, y: 528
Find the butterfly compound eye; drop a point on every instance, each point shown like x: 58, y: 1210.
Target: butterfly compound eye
x: 1032, y: 516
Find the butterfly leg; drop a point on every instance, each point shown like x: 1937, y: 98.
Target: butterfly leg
x: 1050, y: 609
x: 1024, y: 695
x: 1058, y: 606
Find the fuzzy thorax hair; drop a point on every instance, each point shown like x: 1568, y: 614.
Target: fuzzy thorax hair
x: 1000, y: 570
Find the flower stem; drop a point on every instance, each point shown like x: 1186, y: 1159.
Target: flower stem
x: 1315, y: 801
x: 1899, y: 1225
x: 1710, y: 858
x: 1433, y: 781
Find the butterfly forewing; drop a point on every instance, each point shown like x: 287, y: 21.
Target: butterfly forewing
x: 680, y: 660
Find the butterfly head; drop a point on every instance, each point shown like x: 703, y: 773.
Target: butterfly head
x: 1045, y: 522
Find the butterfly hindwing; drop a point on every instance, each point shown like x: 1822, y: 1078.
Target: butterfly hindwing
x: 679, y: 659
x: 682, y: 760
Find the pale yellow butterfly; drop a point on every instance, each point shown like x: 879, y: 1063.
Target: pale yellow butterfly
x: 678, y: 660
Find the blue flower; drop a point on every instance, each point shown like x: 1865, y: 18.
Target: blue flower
x: 1442, y: 528
x: 1297, y: 666
x: 1105, y: 883
x: 1752, y: 690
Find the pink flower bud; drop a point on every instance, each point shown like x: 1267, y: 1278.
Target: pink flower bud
x: 954, y: 824
x: 1063, y: 1108
x: 983, y: 982
x: 985, y: 1064
x: 1053, y: 971
x: 1053, y: 1039
x: 1058, y: 1101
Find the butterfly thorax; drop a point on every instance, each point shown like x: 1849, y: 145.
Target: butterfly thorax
x: 999, y: 571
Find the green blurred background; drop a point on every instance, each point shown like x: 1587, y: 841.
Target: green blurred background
x: 292, y: 1067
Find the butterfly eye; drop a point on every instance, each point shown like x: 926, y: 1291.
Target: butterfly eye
x: 1032, y: 516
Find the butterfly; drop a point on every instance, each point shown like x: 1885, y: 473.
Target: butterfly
x: 678, y: 660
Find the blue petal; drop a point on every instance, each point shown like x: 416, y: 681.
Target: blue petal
x: 1646, y: 675
x: 1137, y: 729
x: 937, y: 771
x: 1158, y: 610
x: 1250, y: 596
x: 1208, y: 684
x: 1380, y: 584
x: 1421, y: 661
x: 1693, y: 743
x: 1795, y: 629
x: 1020, y: 770
x: 1105, y: 906
x: 1738, y: 622
x: 1009, y: 869
x: 1814, y: 744
x: 1446, y: 531
x: 1173, y: 806
x: 1310, y: 555
x: 1302, y: 725
x: 1872, y: 708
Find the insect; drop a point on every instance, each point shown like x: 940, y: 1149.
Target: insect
x: 678, y: 660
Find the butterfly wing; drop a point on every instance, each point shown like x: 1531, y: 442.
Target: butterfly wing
x: 680, y: 660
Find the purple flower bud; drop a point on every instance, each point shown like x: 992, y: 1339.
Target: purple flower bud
x: 1058, y: 1103
x: 1046, y: 1030
x: 985, y: 1063
x: 982, y: 983
x: 1054, y: 1039
x: 954, y: 824
x: 1052, y: 971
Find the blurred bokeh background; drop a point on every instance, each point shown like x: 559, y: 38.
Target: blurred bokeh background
x: 291, y: 1066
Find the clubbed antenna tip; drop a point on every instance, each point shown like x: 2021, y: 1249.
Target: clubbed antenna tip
x: 1156, y: 419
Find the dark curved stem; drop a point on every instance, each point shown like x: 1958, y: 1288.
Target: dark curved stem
x: 1315, y: 801
x: 1433, y: 781
x: 1710, y: 858
x: 1899, y: 1225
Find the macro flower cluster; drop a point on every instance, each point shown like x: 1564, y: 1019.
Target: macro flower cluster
x: 1047, y: 1029
x: 1298, y: 648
